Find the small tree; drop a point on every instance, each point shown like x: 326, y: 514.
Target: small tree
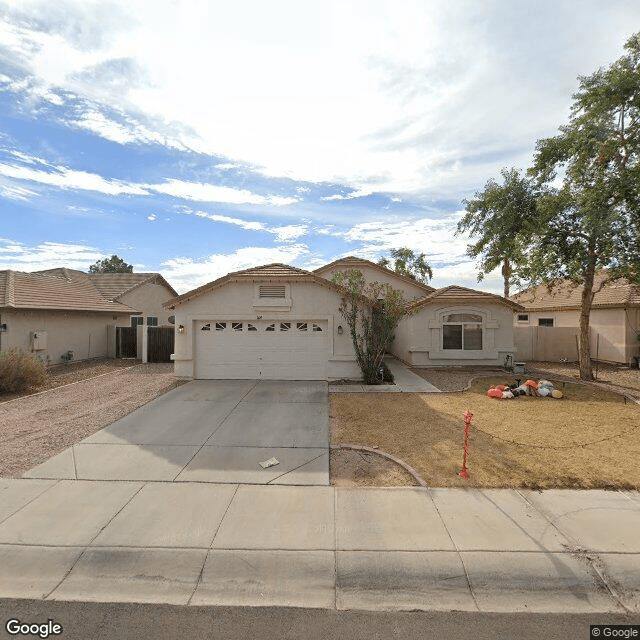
x: 372, y: 312
x: 408, y: 263
x: 114, y: 264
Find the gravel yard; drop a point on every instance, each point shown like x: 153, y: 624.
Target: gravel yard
x: 454, y: 379
x: 35, y: 427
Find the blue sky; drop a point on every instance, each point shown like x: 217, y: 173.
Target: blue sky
x: 198, y: 137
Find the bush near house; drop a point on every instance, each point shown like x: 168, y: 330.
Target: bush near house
x: 20, y: 371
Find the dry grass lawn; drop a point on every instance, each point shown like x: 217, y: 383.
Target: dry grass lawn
x: 589, y: 439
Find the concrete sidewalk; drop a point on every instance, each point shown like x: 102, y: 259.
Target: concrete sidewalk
x: 197, y: 543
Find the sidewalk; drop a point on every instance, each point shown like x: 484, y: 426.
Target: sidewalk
x: 371, y: 549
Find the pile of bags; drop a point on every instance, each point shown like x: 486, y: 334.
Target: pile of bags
x: 542, y: 388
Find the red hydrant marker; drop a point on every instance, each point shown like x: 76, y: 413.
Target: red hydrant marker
x: 464, y: 472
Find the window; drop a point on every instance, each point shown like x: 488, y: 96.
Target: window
x: 152, y: 321
x: 271, y: 291
x: 251, y: 327
x: 206, y: 327
x: 221, y: 326
x: 271, y: 327
x: 523, y: 317
x: 316, y: 327
x: 236, y: 326
x: 301, y: 326
x: 285, y: 326
x: 462, y: 331
x: 136, y: 320
x: 545, y: 322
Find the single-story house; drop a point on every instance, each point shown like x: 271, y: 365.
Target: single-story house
x: 614, y: 320
x: 144, y: 291
x: 57, y: 318
x: 281, y: 322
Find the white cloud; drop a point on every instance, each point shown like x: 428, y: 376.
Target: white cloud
x: 359, y: 193
x: 203, y: 192
x: 152, y: 217
x: 289, y: 232
x: 13, y: 192
x: 225, y: 166
x: 70, y: 179
x: 186, y: 274
x: 47, y: 255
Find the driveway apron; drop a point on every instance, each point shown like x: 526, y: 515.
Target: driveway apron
x: 216, y: 431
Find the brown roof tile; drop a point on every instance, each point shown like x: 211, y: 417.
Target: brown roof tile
x: 42, y: 291
x: 456, y: 294
x: 563, y: 294
x: 114, y: 285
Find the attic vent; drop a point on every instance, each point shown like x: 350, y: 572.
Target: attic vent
x: 272, y: 291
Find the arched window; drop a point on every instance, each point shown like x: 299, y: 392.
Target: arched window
x: 462, y: 331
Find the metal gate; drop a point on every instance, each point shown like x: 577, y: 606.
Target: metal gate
x: 160, y: 341
x: 126, y: 342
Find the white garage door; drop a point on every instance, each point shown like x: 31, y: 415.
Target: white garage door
x: 269, y: 349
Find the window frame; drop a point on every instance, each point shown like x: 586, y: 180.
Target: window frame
x: 461, y: 323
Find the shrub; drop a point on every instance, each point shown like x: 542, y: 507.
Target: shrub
x: 387, y: 376
x: 20, y: 371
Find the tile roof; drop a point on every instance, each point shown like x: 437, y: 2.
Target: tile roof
x: 21, y: 290
x: 457, y: 295
x: 114, y: 285
x: 563, y: 294
x: 352, y: 262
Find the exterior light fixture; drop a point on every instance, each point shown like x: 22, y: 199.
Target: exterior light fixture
x: 180, y: 328
x: 339, y: 329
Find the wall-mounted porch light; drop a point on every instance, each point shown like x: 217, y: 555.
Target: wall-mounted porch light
x: 180, y: 328
x: 339, y: 329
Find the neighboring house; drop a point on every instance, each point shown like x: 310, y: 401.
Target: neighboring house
x: 281, y: 322
x: 614, y: 321
x: 144, y: 291
x: 57, y: 318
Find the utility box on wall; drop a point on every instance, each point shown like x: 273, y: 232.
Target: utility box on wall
x: 39, y: 340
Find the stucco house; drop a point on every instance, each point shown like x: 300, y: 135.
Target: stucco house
x: 57, y: 318
x: 281, y: 322
x: 553, y: 313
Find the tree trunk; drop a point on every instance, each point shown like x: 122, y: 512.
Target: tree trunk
x: 586, y: 372
x: 506, y: 274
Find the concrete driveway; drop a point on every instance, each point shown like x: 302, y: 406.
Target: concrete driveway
x: 210, y: 431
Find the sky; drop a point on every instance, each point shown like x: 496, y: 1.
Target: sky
x: 198, y: 137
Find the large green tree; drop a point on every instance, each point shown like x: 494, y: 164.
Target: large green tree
x: 500, y: 218
x: 590, y: 220
x: 408, y: 263
x: 114, y: 264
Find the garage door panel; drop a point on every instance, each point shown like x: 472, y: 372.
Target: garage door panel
x: 273, y: 349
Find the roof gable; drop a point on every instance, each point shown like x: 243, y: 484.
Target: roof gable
x: 462, y: 295
x: 265, y: 273
x: 352, y: 262
x: 114, y: 285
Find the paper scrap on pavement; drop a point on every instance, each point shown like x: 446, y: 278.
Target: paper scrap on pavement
x: 272, y: 462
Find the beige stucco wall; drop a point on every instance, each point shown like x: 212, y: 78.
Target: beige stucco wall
x: 419, y: 337
x: 615, y: 327
x: 84, y: 333
x: 239, y: 301
x: 409, y: 291
x: 149, y: 298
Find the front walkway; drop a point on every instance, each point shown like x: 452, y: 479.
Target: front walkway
x: 405, y: 382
